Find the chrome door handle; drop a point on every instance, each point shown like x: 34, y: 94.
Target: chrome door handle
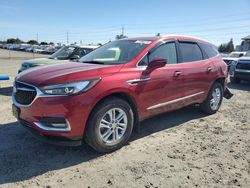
x: 177, y: 73
x: 209, y: 69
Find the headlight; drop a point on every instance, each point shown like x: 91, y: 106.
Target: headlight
x: 70, y: 88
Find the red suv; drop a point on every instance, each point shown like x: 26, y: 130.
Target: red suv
x: 101, y: 98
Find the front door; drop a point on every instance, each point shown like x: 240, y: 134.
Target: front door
x: 160, y: 90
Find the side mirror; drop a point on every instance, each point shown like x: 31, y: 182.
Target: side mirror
x: 75, y: 57
x: 155, y: 64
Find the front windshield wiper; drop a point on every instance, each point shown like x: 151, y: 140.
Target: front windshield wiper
x: 93, y: 62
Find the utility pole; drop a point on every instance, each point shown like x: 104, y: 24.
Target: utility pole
x: 37, y: 37
x: 67, y: 37
x: 122, y: 30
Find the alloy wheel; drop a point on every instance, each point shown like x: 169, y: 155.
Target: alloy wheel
x: 113, y: 126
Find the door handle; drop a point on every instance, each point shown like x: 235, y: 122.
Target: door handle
x: 209, y: 69
x: 177, y: 73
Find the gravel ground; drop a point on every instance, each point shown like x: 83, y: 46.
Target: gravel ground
x: 184, y: 148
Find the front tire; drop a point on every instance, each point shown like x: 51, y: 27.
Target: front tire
x: 110, y: 125
x: 213, y: 101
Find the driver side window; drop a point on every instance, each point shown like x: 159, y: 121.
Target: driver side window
x: 167, y: 51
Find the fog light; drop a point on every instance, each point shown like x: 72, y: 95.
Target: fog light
x: 53, y: 124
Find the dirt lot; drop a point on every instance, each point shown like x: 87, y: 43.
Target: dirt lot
x: 184, y: 148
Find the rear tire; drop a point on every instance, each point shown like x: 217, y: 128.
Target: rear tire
x: 234, y: 80
x: 213, y: 101
x: 110, y: 125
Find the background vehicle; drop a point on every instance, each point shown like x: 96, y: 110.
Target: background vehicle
x: 224, y: 55
x: 111, y: 89
x: 240, y: 69
x: 62, y: 55
x: 233, y: 56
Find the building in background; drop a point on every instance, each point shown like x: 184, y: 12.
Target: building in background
x: 245, y: 44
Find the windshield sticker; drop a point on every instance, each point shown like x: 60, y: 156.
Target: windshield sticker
x: 143, y: 41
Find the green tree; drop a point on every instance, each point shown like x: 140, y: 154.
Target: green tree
x: 222, y: 48
x: 226, y: 47
x: 43, y: 43
x: 32, y: 42
x: 230, y: 46
x: 14, y: 41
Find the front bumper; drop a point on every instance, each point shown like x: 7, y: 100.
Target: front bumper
x: 74, y: 109
x: 62, y: 141
x: 242, y: 74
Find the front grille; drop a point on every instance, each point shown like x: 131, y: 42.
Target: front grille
x: 24, y: 94
x: 243, y: 65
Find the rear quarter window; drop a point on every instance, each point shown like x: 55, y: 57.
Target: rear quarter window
x: 190, y: 52
x: 210, y: 50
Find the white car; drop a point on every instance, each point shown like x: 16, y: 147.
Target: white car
x: 233, y: 56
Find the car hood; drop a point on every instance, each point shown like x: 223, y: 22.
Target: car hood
x: 42, y: 61
x: 230, y: 58
x: 65, y: 72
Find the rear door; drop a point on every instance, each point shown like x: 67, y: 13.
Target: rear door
x: 198, y: 70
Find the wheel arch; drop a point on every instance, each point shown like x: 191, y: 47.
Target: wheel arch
x: 122, y: 95
x: 222, y: 81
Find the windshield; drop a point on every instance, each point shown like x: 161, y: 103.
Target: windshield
x: 116, y: 52
x: 63, y: 53
x: 235, y: 55
x: 68, y: 52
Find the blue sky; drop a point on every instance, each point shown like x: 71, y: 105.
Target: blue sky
x: 101, y: 20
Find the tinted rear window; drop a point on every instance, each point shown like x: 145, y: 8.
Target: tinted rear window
x: 209, y: 49
x: 190, y: 52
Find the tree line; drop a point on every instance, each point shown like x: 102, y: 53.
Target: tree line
x: 223, y: 48
x: 32, y: 42
x: 226, y: 47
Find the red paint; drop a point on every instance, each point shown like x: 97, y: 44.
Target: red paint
x: 166, y: 83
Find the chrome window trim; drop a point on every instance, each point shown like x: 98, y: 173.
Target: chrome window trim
x: 46, y: 128
x: 145, y: 66
x: 174, y: 101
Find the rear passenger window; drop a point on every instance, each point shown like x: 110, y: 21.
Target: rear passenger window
x: 167, y: 51
x: 190, y: 52
x: 209, y: 49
